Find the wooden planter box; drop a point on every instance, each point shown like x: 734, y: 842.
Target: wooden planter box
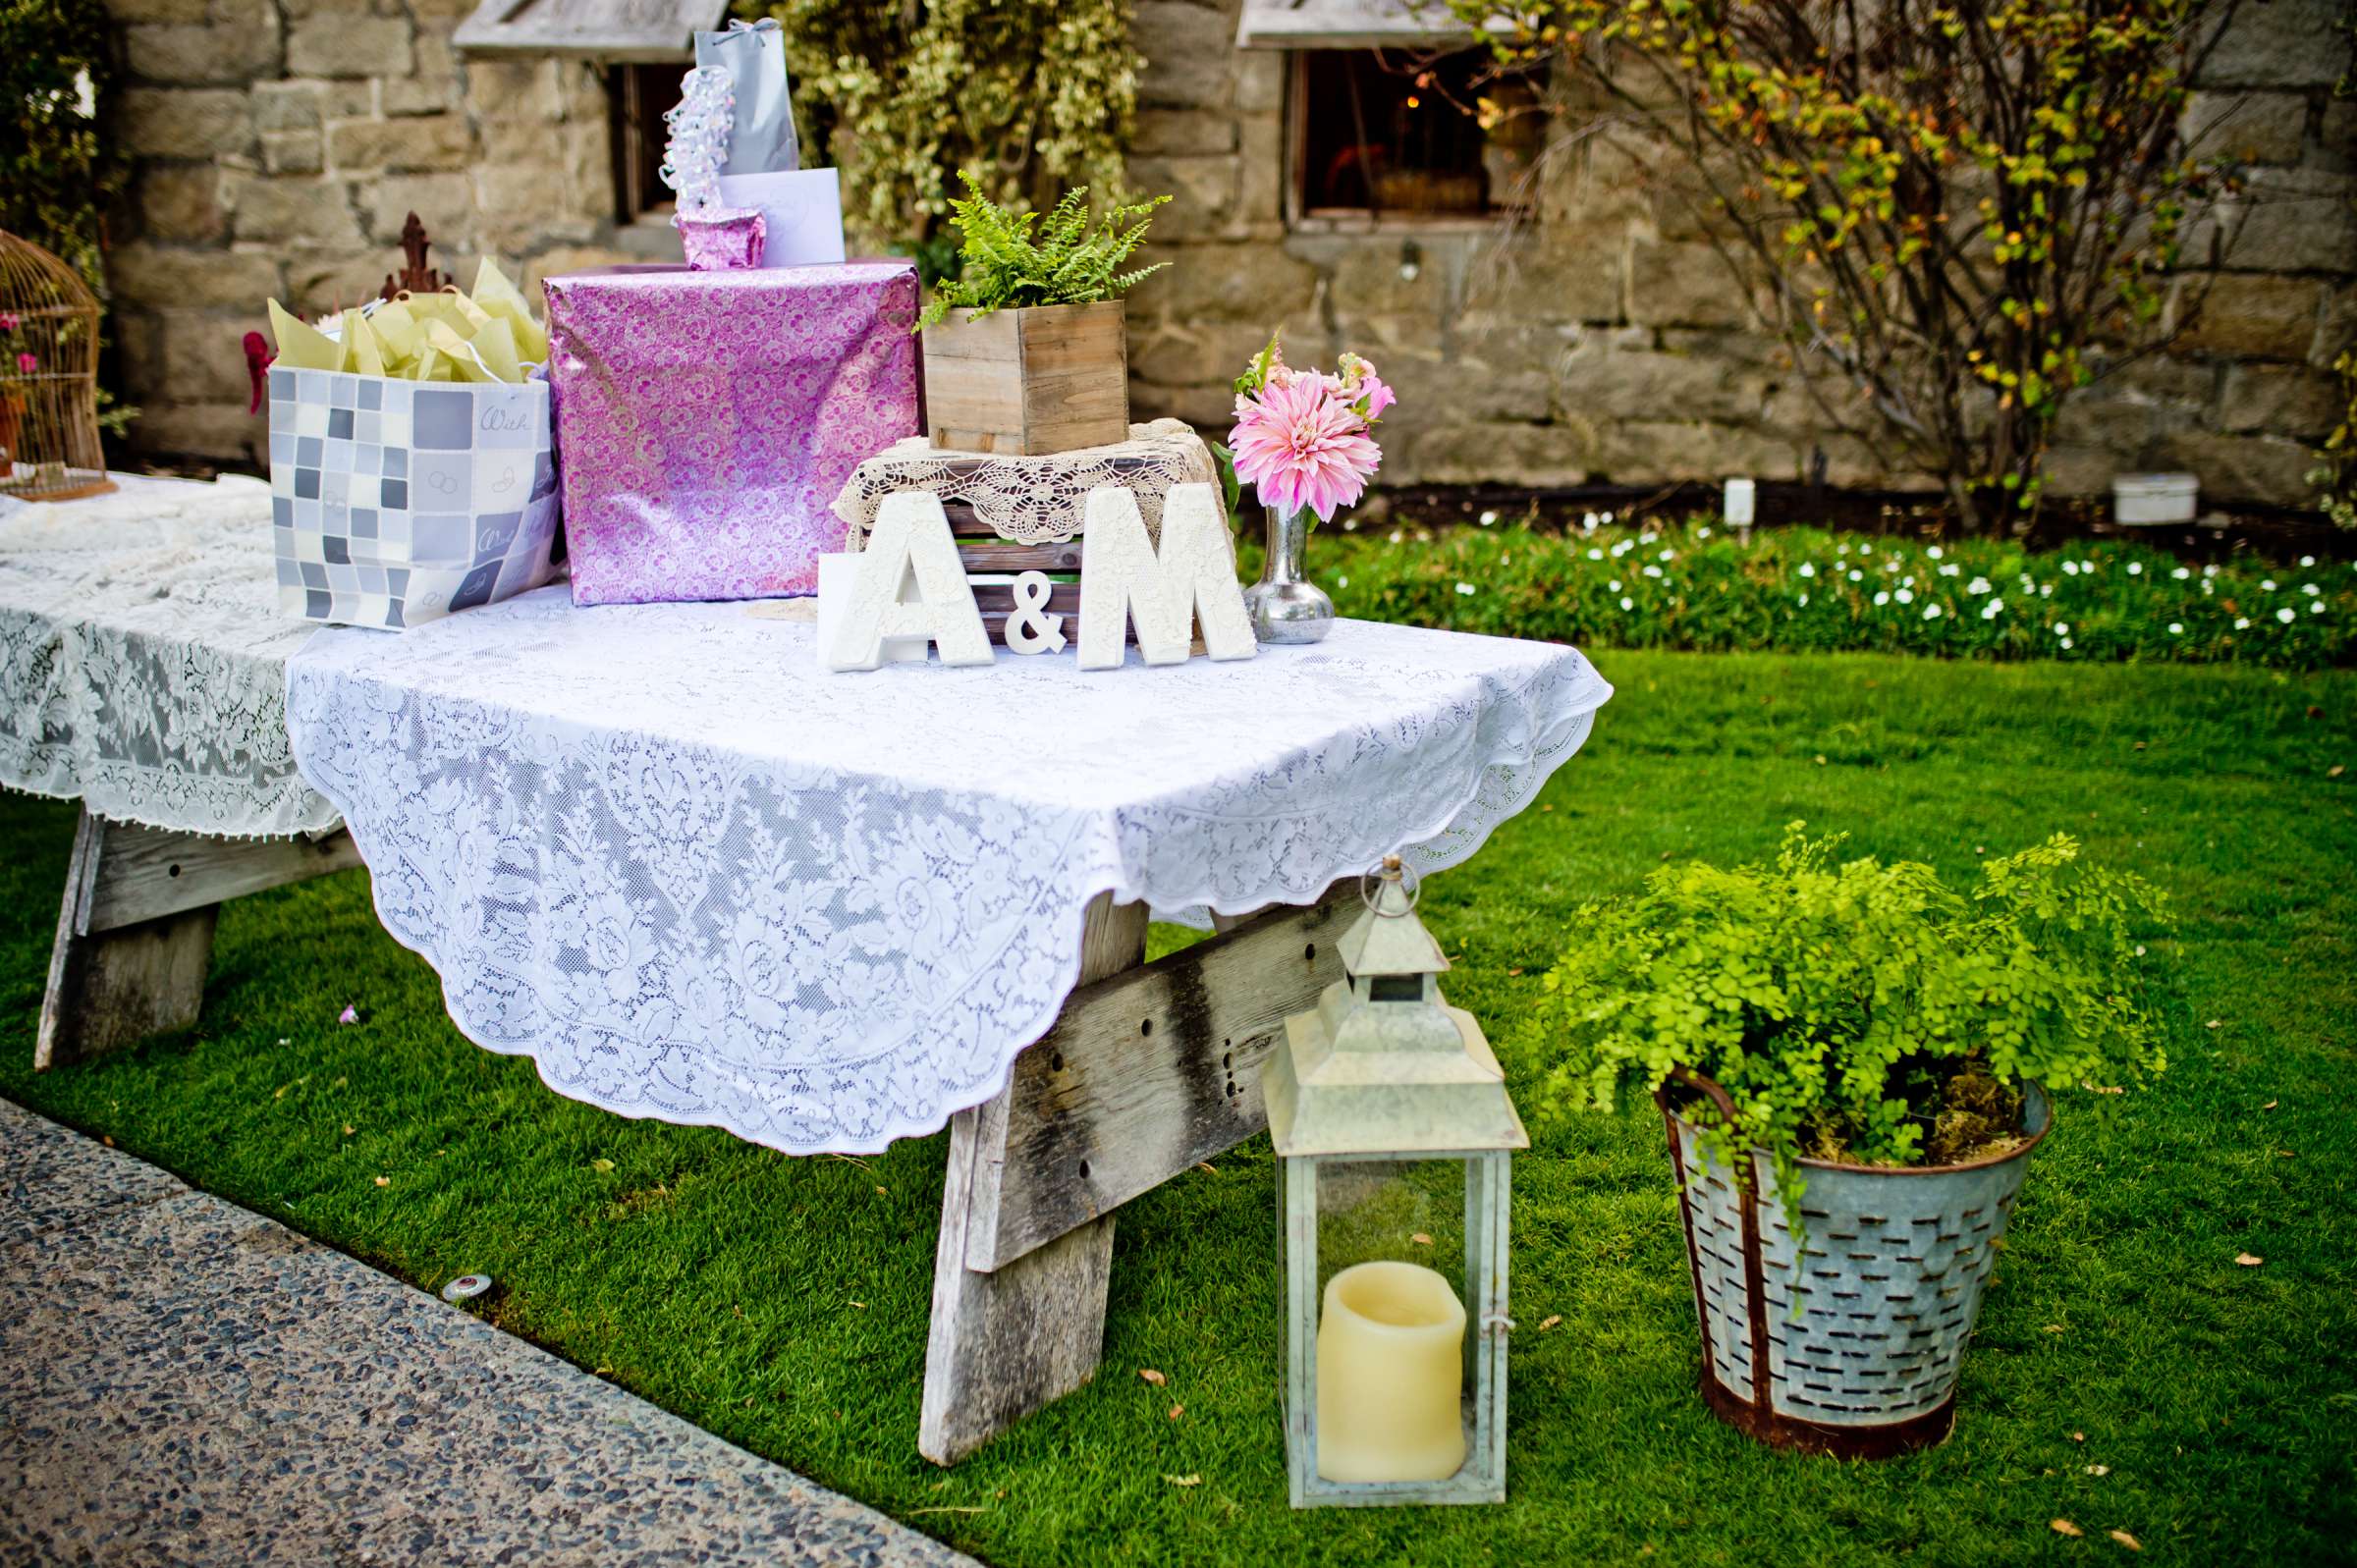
x: 1050, y: 378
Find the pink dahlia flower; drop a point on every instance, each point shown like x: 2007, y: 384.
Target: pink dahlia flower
x: 1298, y: 445
x: 29, y: 362
x: 1377, y: 394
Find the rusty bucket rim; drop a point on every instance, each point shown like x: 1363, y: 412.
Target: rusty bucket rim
x: 1705, y: 1085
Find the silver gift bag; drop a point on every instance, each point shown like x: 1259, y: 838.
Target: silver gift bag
x: 763, y: 140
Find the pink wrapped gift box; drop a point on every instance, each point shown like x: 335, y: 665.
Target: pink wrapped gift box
x: 705, y: 420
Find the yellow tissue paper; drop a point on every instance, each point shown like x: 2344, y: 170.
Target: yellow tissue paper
x: 502, y: 299
x: 361, y: 351
x: 425, y: 337
x: 301, y: 346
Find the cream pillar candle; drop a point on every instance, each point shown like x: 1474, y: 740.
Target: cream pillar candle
x: 1390, y: 1373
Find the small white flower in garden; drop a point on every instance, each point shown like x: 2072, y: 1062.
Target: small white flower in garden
x: 1907, y: 581
x: 2210, y: 571
x: 1465, y: 588
x: 1349, y: 525
x: 1488, y: 518
x: 1595, y: 555
x: 2268, y: 584
x: 2307, y: 561
x: 2046, y: 590
x: 2070, y: 569
x: 1952, y: 569
x: 1669, y: 554
x: 1996, y: 608
x: 1978, y: 586
x: 2176, y: 628
x: 1804, y: 600
x: 1905, y: 597
x: 2182, y: 572
x: 2309, y: 589
x: 1608, y: 517
x: 1397, y: 536
x: 2066, y: 642
x: 1882, y: 598
x: 2242, y: 622
x: 1930, y: 611
x: 1808, y: 569
x: 1934, y: 552
x: 2135, y: 568
x: 1856, y: 575
x: 1342, y: 582
x: 1653, y: 572
x: 2316, y: 607
x: 2284, y: 614
x: 2062, y: 628
x: 1702, y: 533
x: 1614, y: 587
x: 1588, y: 521
x: 2208, y: 587
x: 1628, y: 604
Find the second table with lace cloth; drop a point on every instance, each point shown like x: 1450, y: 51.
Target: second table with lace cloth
x: 695, y: 877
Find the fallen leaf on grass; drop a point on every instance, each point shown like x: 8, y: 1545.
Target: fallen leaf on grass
x: 1513, y: 971
x: 1207, y: 1166
x: 2271, y: 1105
x: 2126, y: 1540
x: 384, y: 1181
x: 883, y: 1192
x: 2214, y: 1023
x: 2334, y: 772
x: 1152, y: 1376
x: 861, y: 1305
x: 601, y: 1164
x: 2098, y: 1469
x: 2078, y: 1436
x: 348, y: 1130
x: 2249, y: 1260
x: 1184, y: 1481
x: 1549, y: 1321
x: 1421, y: 1239
x: 2064, y: 1527
x: 2055, y: 1329
x: 1176, y: 1411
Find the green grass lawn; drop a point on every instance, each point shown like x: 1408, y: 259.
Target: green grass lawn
x: 782, y: 1301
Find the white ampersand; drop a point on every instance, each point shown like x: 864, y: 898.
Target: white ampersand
x: 1027, y: 629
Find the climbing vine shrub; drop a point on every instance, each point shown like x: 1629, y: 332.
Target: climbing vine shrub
x: 56, y: 171
x: 1033, y: 94
x: 1952, y: 204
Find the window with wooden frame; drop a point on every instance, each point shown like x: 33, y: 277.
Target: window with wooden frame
x: 1401, y: 137
x: 637, y: 98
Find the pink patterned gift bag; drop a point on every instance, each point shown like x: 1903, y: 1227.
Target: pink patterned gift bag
x: 705, y: 420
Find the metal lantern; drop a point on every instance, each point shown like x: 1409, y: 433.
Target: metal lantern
x: 1394, y: 1133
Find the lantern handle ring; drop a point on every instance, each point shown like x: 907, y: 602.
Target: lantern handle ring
x: 1391, y: 869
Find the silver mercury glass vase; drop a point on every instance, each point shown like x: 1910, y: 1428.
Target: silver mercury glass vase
x: 1285, y: 607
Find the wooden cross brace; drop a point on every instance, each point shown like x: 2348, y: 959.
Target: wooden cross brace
x: 1150, y: 1068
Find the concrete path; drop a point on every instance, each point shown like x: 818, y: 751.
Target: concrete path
x: 185, y: 1383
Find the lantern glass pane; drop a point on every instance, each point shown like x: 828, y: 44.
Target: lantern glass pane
x: 1393, y: 1321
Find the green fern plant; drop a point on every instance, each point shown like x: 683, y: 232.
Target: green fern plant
x: 1013, y: 260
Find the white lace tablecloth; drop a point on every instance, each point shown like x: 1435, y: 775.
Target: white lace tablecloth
x: 693, y: 877
x: 142, y: 658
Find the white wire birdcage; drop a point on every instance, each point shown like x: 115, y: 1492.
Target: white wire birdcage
x: 48, y: 378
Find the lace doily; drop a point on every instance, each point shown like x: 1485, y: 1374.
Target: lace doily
x: 1029, y: 501
x: 693, y: 877
x: 142, y: 659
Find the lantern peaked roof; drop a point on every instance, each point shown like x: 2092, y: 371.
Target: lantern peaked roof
x: 1389, y: 939
x: 1408, y: 1075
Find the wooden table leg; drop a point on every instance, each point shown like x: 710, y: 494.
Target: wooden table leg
x: 1150, y: 1068
x: 134, y: 930
x: 1005, y: 1344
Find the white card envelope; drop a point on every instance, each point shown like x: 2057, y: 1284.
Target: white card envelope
x: 802, y: 207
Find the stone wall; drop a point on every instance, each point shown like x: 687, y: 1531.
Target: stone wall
x: 279, y: 143
x: 1607, y: 341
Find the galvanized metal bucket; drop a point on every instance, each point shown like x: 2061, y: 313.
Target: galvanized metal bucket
x: 1888, y: 1289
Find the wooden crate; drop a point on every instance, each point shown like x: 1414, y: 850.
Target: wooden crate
x: 1051, y: 378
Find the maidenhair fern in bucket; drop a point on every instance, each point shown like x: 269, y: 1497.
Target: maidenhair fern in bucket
x: 1854, y: 1062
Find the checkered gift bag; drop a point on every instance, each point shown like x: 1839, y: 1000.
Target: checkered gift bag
x: 398, y: 502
